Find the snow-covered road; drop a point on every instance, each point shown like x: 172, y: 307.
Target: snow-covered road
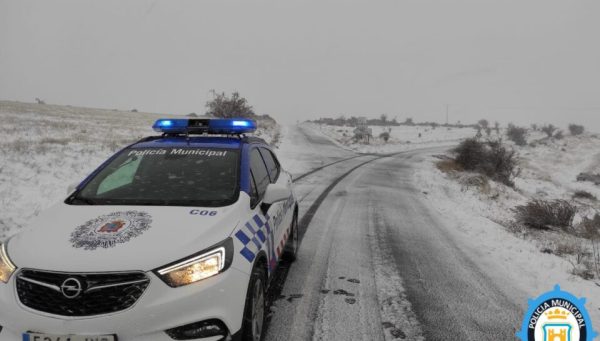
x: 376, y: 263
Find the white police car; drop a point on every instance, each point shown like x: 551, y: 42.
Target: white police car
x: 173, y: 238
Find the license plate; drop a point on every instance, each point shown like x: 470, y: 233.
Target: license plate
x: 48, y: 337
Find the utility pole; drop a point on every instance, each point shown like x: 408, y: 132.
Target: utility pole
x: 447, y: 105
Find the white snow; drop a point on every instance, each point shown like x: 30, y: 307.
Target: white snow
x: 45, y: 148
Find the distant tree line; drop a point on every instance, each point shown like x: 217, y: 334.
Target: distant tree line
x: 383, y: 120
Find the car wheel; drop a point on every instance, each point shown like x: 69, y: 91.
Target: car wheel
x: 291, y: 246
x: 254, y: 312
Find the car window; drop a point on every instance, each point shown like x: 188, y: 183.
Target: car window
x: 259, y: 171
x: 121, y: 177
x: 166, y: 177
x: 272, y: 164
x: 254, y: 198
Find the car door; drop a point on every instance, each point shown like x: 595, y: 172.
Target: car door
x: 284, y: 214
x: 260, y: 180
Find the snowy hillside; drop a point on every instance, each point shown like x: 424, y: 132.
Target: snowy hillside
x: 46, y: 148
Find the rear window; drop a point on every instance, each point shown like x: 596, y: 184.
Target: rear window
x: 165, y: 176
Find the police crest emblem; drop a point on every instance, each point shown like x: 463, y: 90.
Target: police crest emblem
x: 111, y: 229
x: 557, y: 316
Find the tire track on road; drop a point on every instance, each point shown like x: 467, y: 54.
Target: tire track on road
x: 310, y: 172
x: 276, y: 286
x: 278, y: 282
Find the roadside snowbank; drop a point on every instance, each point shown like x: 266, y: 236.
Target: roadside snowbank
x: 484, y: 219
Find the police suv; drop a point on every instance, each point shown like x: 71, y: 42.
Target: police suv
x: 173, y: 238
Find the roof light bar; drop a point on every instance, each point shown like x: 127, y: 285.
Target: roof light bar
x: 205, y: 126
x: 170, y: 125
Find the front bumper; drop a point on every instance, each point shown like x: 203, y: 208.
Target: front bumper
x: 160, y: 308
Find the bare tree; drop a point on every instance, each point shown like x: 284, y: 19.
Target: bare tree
x: 222, y: 105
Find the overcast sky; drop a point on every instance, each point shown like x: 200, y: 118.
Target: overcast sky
x: 522, y: 61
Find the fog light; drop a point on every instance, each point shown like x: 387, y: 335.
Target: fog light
x: 198, y: 330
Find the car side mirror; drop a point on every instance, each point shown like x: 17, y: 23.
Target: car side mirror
x: 72, y: 187
x: 276, y: 193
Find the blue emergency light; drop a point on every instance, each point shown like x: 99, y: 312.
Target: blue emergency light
x: 225, y: 126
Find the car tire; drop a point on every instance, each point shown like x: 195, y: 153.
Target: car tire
x: 290, y: 250
x: 255, y: 309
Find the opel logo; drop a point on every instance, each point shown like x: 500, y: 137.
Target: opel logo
x: 71, y: 288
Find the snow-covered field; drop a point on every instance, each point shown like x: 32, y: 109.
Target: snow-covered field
x: 46, y: 148
x: 402, y: 138
x: 485, y: 213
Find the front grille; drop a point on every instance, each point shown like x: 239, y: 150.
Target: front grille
x: 91, y: 293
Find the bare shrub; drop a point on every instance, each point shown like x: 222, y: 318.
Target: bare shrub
x: 362, y: 133
x: 477, y: 181
x: 591, y: 231
x: 488, y: 158
x: 449, y: 166
x: 517, y: 134
x: 591, y: 227
x: 567, y: 248
x: 385, y: 136
x: 583, y: 267
x: 559, y: 135
x: 595, y: 178
x: 549, y: 129
x: 470, y: 154
x: 576, y: 129
x: 542, y: 214
x: 584, y: 195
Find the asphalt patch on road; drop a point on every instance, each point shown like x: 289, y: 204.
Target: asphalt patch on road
x: 343, y: 292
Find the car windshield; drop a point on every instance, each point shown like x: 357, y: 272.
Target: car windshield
x: 165, y: 176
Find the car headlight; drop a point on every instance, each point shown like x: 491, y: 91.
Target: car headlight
x: 7, y: 268
x: 202, y: 265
